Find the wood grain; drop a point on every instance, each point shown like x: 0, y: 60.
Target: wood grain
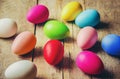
x: 67, y: 69
x: 45, y: 71
x: 109, y: 24
x: 71, y: 71
x: 17, y: 11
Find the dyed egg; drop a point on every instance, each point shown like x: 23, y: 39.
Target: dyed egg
x: 23, y: 69
x: 89, y: 63
x: 24, y: 43
x: 38, y: 14
x: 71, y: 10
x: 53, y: 52
x: 89, y: 17
x: 111, y: 44
x: 8, y: 28
x: 87, y: 37
x: 56, y: 30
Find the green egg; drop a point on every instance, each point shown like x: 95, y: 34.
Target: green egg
x: 55, y: 29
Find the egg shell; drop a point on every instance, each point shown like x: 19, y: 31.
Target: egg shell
x: 89, y: 17
x: 87, y: 37
x: 111, y: 44
x: 89, y: 62
x: 71, y: 10
x: 38, y: 14
x: 55, y: 29
x: 23, y: 69
x: 8, y: 28
x: 53, y: 52
x: 23, y: 43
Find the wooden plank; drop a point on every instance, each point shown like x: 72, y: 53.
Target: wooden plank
x: 45, y: 71
x: 15, y: 10
x: 71, y: 50
x: 110, y: 15
x: 49, y: 71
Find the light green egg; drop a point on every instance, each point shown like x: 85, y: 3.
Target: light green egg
x: 55, y: 29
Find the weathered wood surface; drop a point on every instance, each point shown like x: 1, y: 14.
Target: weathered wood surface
x: 17, y: 10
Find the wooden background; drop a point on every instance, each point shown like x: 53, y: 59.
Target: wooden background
x: 110, y: 23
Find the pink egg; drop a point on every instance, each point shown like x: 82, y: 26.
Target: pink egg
x: 89, y: 62
x: 38, y: 14
x: 87, y: 37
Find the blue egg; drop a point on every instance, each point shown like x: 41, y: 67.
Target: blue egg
x: 89, y: 17
x: 111, y: 44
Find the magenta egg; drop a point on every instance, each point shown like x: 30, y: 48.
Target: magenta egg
x: 38, y: 14
x: 87, y: 37
x: 89, y: 63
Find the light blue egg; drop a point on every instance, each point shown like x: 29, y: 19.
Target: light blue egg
x: 111, y: 44
x: 89, y: 17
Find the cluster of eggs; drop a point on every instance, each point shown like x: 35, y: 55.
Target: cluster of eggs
x: 87, y: 61
x: 53, y: 50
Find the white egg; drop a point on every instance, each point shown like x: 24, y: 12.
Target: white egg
x: 23, y: 69
x: 8, y: 28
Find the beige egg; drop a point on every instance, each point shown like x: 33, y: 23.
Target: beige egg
x: 23, y: 69
x: 8, y: 28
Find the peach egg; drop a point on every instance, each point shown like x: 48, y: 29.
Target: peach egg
x: 23, y: 43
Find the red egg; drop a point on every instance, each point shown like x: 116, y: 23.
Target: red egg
x: 53, y: 52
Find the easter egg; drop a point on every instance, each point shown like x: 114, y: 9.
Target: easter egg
x: 23, y: 69
x: 87, y: 37
x: 8, y: 28
x: 53, y: 52
x: 56, y: 30
x: 111, y: 44
x: 71, y: 10
x: 89, y: 17
x: 38, y: 14
x: 89, y: 63
x: 23, y: 43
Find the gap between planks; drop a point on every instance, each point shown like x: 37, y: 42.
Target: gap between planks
x: 35, y: 35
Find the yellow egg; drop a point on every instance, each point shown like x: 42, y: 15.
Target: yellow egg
x: 71, y: 10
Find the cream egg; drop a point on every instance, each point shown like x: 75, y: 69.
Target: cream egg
x: 23, y: 69
x: 8, y: 28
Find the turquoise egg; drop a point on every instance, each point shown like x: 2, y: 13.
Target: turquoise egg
x: 89, y: 17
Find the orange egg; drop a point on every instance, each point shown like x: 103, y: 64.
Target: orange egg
x: 23, y: 43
